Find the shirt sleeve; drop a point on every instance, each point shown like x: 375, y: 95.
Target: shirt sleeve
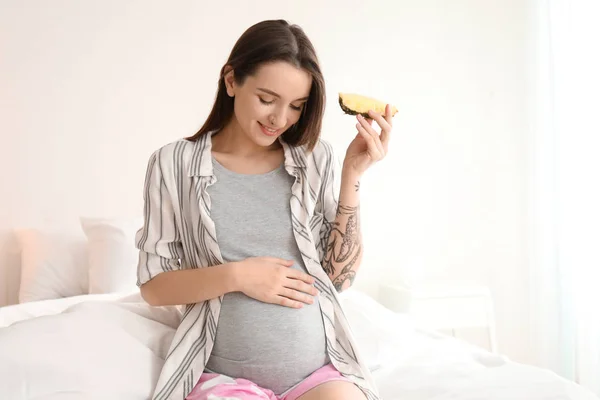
x: 158, y: 240
x: 329, y: 200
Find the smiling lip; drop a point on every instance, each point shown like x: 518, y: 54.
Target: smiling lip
x: 268, y: 132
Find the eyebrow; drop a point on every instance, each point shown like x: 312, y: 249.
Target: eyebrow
x: 272, y: 93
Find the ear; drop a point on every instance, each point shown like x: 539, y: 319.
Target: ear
x: 229, y: 80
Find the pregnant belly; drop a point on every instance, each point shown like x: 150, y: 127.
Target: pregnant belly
x: 270, y: 345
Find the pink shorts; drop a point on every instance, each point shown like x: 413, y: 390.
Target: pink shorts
x: 215, y: 386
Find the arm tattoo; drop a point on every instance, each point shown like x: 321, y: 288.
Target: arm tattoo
x: 347, y: 274
x: 357, y: 186
x: 344, y: 248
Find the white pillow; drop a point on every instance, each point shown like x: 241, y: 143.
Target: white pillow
x: 113, y: 257
x: 53, y: 264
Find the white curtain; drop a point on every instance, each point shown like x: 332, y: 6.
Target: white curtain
x: 565, y: 189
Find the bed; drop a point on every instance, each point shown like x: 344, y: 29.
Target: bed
x: 113, y: 345
x: 78, y: 333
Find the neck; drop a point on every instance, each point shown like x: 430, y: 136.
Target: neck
x: 232, y: 140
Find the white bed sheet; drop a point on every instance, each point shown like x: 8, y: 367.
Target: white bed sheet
x: 18, y: 312
x: 112, y: 346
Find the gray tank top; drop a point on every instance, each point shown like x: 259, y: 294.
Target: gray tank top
x: 273, y: 346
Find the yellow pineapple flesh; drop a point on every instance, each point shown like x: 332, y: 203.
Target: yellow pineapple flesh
x: 354, y: 104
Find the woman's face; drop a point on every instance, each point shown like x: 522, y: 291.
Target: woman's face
x: 269, y: 102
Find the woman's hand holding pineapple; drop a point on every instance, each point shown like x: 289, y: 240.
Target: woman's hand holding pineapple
x: 369, y: 146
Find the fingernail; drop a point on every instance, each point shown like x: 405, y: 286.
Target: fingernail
x: 359, y: 116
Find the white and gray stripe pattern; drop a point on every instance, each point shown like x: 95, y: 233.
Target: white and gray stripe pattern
x: 178, y: 233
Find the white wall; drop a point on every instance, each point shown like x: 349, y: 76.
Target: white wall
x: 89, y: 89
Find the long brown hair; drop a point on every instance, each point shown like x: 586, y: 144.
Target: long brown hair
x: 265, y: 42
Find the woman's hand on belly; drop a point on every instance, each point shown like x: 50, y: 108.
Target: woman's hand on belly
x: 271, y: 280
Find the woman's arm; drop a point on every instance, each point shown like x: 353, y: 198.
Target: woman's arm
x: 187, y: 286
x: 344, y: 251
x: 266, y: 279
x: 344, y: 247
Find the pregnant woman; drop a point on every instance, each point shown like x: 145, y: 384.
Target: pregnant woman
x: 252, y: 226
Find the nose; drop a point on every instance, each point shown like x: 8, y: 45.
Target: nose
x: 278, y: 118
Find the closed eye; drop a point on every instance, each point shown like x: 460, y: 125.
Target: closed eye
x: 293, y: 107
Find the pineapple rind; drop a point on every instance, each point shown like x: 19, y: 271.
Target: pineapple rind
x: 351, y: 111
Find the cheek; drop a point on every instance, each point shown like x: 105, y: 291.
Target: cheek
x: 245, y: 111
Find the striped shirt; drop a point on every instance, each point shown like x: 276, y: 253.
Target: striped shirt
x: 178, y: 233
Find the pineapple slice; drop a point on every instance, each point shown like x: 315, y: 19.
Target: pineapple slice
x: 357, y: 104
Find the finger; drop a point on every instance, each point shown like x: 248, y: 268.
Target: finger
x: 297, y: 296
x: 386, y: 127
x: 280, y: 261
x: 381, y: 120
x: 366, y: 124
x: 286, y: 302
x: 374, y: 150
x: 363, y: 122
x: 388, y: 114
x: 295, y: 274
x: 301, y: 287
